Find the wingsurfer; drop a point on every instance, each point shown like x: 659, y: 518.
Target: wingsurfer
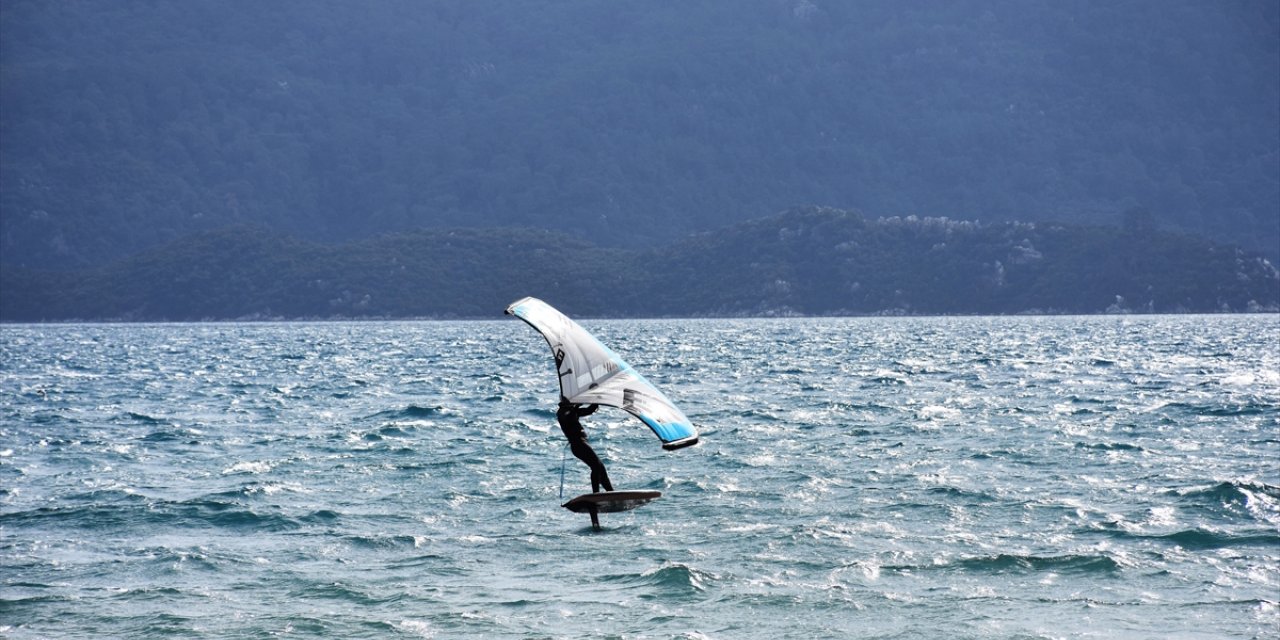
x: 567, y: 415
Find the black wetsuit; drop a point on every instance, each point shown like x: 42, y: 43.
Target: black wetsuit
x: 568, y: 415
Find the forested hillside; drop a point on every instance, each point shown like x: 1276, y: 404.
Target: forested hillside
x: 807, y: 261
x: 131, y: 123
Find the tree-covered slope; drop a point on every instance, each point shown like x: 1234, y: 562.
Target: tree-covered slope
x: 128, y: 124
x: 823, y: 261
x: 807, y: 261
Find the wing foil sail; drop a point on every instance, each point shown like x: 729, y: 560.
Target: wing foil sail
x: 591, y: 373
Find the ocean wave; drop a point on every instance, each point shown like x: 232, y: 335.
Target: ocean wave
x: 1019, y: 563
x: 143, y: 513
x: 399, y: 430
x: 1219, y: 410
x: 434, y: 564
x: 109, y: 496
x: 323, y: 516
x: 672, y: 578
x: 886, y: 378
x: 256, y: 489
x: 1204, y: 539
x: 344, y: 593
x: 871, y: 406
x: 252, y: 467
x: 169, y: 435
x: 1259, y: 501
x: 1002, y: 453
x: 142, y: 418
x: 213, y: 513
x: 678, y: 577
x: 11, y: 604
x: 965, y: 494
x: 171, y: 560
x: 1233, y: 491
x: 1196, y: 539
x: 1109, y: 446
x: 380, y: 542
x: 1068, y: 409
x: 410, y: 412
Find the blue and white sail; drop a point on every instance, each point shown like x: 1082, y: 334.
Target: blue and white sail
x: 591, y: 373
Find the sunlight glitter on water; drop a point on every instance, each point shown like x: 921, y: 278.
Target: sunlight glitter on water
x: 895, y: 477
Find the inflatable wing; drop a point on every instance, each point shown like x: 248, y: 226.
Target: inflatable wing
x: 591, y: 373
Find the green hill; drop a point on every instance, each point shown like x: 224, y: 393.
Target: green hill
x: 806, y: 261
x: 128, y: 124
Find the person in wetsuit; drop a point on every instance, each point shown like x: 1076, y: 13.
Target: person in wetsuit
x: 567, y: 415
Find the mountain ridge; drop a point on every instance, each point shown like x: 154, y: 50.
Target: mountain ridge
x: 130, y: 124
x: 807, y: 261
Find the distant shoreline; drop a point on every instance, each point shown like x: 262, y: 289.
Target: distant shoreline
x: 805, y: 262
x: 370, y: 320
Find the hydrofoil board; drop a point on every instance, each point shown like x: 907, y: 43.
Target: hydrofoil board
x: 610, y: 501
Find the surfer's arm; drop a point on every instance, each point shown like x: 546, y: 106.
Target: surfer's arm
x: 588, y: 410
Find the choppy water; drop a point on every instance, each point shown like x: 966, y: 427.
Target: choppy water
x: 864, y: 478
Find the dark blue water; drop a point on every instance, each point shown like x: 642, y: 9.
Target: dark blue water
x: 1103, y: 477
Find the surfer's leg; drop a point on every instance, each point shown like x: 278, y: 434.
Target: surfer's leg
x: 599, y: 476
x: 604, y: 476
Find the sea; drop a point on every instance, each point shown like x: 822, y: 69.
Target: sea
x: 973, y: 477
